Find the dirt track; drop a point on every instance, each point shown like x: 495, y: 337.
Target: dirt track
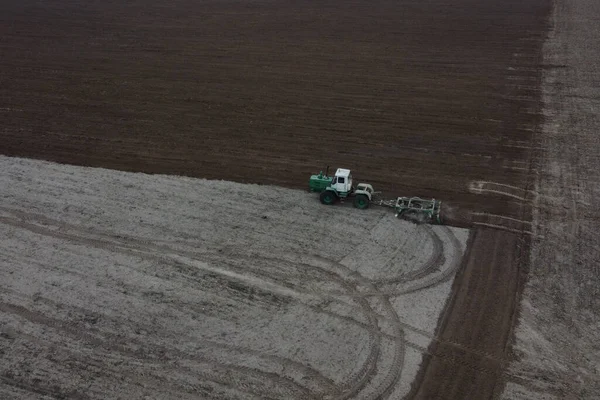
x: 416, y: 97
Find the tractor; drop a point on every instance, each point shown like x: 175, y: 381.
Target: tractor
x: 339, y: 187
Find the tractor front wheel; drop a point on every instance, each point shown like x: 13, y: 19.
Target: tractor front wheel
x: 328, y: 197
x: 361, y: 201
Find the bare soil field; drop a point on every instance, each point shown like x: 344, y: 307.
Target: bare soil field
x: 557, y: 337
x: 417, y: 97
x: 121, y: 285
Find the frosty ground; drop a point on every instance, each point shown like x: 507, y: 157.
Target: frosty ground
x: 121, y: 285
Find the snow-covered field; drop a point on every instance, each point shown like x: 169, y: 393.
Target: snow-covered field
x: 122, y: 285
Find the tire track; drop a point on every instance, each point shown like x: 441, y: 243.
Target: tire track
x: 136, y: 247
x: 139, y: 350
x: 288, y: 363
x: 358, y: 380
x: 37, y: 388
x: 395, y: 371
x: 427, y: 281
x: 27, y: 221
x: 430, y: 336
x: 61, y: 231
x: 360, y: 293
x: 436, y: 259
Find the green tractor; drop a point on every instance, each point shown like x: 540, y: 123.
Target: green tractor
x: 339, y: 187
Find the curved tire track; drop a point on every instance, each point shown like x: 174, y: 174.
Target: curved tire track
x: 140, y: 350
x: 45, y: 226
x: 424, y: 282
x: 53, y: 229
x: 420, y: 278
x: 395, y: 371
x: 436, y: 259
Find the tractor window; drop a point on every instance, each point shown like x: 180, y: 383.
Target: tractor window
x: 341, y: 179
x: 334, y: 181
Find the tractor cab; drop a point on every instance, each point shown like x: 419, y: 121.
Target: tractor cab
x: 339, y: 187
x: 342, y: 181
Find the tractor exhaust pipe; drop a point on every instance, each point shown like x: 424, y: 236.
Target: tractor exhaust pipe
x: 327, y: 171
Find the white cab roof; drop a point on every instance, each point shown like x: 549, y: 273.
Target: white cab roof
x: 342, y: 172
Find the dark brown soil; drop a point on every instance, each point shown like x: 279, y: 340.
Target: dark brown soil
x: 469, y: 359
x: 416, y: 97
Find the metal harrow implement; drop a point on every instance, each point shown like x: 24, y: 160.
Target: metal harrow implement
x: 415, y: 209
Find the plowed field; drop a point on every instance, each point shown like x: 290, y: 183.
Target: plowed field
x: 416, y: 97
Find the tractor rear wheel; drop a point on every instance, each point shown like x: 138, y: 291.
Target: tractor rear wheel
x: 328, y: 197
x: 361, y: 201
